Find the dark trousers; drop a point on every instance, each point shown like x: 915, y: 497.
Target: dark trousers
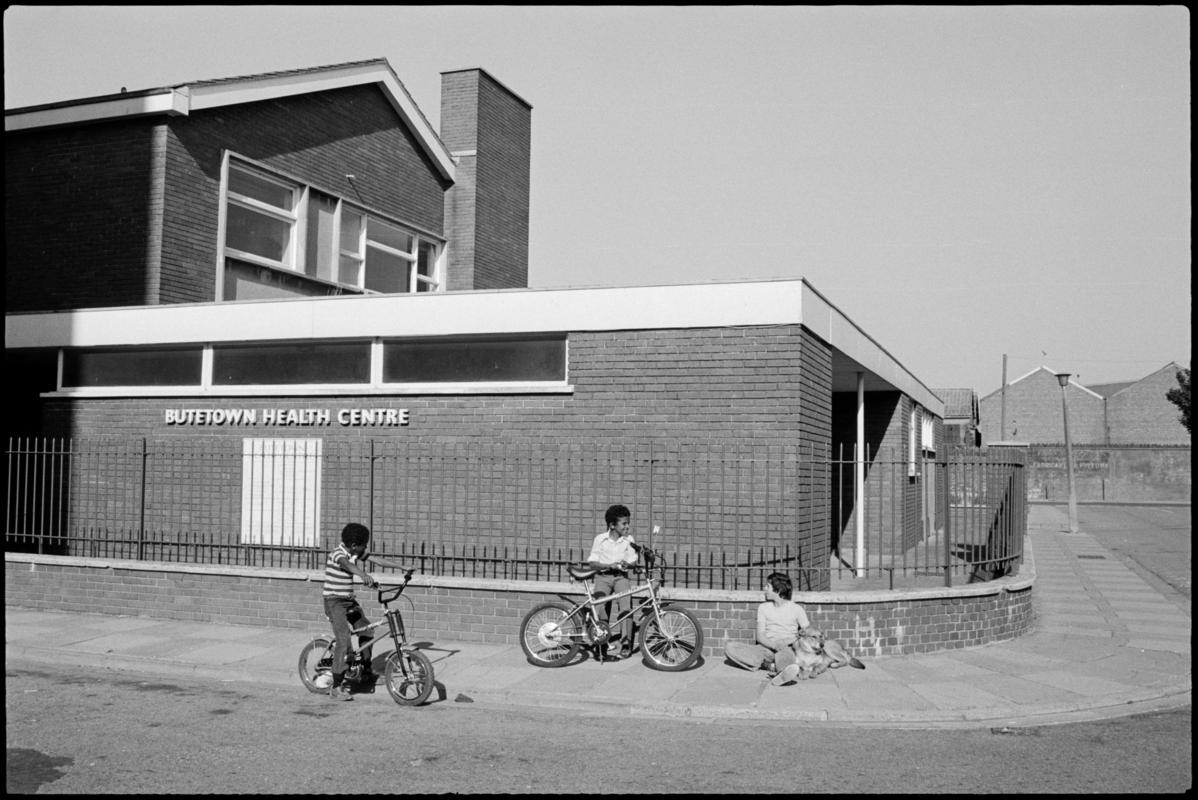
x: 345, y: 614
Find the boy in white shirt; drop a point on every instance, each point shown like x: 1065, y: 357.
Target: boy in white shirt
x: 612, y: 553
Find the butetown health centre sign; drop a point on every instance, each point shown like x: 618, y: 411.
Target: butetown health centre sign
x: 289, y: 417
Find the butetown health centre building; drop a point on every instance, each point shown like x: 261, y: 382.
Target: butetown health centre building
x: 296, y: 266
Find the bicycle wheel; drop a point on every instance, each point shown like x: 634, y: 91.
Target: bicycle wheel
x: 316, y: 665
x: 549, y: 636
x: 671, y: 641
x: 409, y: 677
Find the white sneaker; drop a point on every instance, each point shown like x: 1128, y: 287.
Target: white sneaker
x: 787, y: 675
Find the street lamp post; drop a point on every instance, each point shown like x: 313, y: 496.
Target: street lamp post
x: 1063, y: 379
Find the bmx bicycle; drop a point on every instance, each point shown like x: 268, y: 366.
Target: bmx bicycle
x: 408, y: 674
x: 669, y: 636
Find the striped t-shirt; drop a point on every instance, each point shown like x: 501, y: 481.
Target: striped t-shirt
x: 338, y: 581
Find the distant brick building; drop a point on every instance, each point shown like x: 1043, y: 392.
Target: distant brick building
x: 960, y: 416
x: 1140, y: 413
x: 1137, y: 412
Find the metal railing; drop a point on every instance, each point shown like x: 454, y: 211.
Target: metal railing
x: 730, y: 516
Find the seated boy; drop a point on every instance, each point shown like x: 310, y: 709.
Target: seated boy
x: 340, y: 605
x: 778, y: 622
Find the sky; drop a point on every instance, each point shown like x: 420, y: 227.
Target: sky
x: 965, y: 183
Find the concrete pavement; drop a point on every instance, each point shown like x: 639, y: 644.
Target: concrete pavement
x: 1105, y: 644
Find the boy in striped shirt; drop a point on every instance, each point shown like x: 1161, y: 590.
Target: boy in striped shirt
x: 341, y: 607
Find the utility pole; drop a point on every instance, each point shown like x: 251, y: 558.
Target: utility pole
x: 1002, y: 432
x: 1063, y: 379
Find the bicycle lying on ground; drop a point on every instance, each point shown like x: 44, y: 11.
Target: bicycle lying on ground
x: 408, y: 674
x: 669, y: 636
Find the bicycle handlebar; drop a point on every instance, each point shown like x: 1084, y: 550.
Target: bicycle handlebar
x: 397, y: 589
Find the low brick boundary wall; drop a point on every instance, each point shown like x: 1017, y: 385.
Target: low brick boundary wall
x: 872, y: 623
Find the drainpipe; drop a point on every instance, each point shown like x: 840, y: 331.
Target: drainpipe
x: 859, y: 475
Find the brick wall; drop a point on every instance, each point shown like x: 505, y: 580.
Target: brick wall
x: 79, y: 216
x: 815, y: 482
x: 1112, y: 474
x: 724, y: 385
x: 739, y: 419
x: 351, y: 131
x: 1142, y: 413
x: 487, y: 210
x: 904, y: 622
x: 125, y: 213
x: 502, y: 188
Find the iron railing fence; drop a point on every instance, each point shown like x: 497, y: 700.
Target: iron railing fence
x: 728, y: 516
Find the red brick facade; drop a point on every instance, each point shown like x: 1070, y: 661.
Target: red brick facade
x: 91, y: 184
x: 752, y: 393
x: 146, y: 194
x: 489, y: 130
x: 732, y: 386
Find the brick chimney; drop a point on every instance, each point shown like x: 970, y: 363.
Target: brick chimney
x: 488, y: 130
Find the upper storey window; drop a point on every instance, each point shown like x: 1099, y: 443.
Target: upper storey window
x: 283, y: 238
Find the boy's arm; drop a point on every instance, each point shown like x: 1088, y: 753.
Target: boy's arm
x: 761, y: 635
x: 382, y: 562
x: 358, y: 570
x: 804, y: 622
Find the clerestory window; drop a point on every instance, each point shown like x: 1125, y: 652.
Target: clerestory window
x: 283, y: 238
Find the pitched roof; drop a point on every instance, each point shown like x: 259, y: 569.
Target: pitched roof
x: 1113, y: 388
x: 1108, y: 389
x: 183, y: 98
x: 958, y: 402
x: 1037, y: 370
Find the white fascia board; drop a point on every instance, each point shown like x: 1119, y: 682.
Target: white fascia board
x: 510, y: 311
x: 831, y: 324
x: 275, y: 86
x: 181, y: 99
x: 172, y: 102
x: 410, y: 315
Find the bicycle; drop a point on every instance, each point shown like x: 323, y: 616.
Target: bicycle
x: 408, y: 674
x: 669, y: 636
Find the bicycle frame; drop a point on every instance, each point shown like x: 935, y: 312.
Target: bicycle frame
x: 651, y: 584
x: 392, y: 618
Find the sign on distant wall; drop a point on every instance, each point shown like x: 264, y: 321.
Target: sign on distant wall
x: 289, y: 417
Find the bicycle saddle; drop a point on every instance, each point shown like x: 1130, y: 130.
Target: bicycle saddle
x: 582, y: 573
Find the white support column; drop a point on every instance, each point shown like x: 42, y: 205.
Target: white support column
x: 859, y: 477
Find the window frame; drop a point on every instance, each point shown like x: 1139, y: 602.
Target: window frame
x: 291, y: 217
x: 301, y: 229
x: 374, y: 385
x: 65, y: 354
x: 400, y: 342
